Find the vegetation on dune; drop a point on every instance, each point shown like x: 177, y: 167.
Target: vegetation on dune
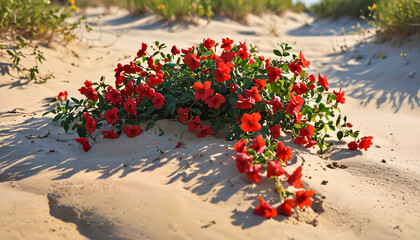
x: 339, y: 8
x: 398, y: 17
x: 175, y: 10
x: 22, y: 22
x: 390, y: 17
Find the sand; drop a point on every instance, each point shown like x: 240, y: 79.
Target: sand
x: 125, y: 189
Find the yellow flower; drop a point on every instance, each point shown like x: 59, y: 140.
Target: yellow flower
x: 71, y: 2
x: 372, y: 8
x: 160, y: 6
x: 73, y: 7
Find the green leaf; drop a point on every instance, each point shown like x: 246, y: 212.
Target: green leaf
x: 76, y: 101
x: 337, y: 122
x: 58, y: 117
x: 319, y: 98
x: 150, y: 125
x: 277, y: 52
x: 340, y: 135
x: 81, y: 131
x: 196, y: 111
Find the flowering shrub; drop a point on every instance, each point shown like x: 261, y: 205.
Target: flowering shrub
x: 236, y: 92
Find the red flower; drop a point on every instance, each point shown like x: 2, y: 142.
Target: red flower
x: 264, y: 209
x: 312, y: 82
x: 130, y: 106
x: 275, y: 131
x: 183, y: 114
x: 365, y: 142
x: 202, y: 90
x: 253, y: 94
x: 250, y: 122
x: 307, y: 132
x: 133, y: 131
x: 340, y: 97
x: 204, y: 131
x: 295, y: 68
x: 90, y: 124
x: 253, y: 173
x: 300, y: 89
x: 208, y: 43
x: 189, y: 50
x: 128, y: 90
x: 62, y: 96
x: 191, y: 61
x: 222, y: 73
x: 112, y: 95
x: 243, y: 103
x: 144, y: 90
x: 89, y: 91
x: 84, y: 142
x: 243, y: 161
x: 299, y: 140
x: 194, y: 124
x: 142, y: 51
x: 293, y: 107
x: 227, y: 44
x: 294, y: 179
x: 175, y: 50
x: 276, y: 103
x: 258, y: 144
x: 303, y: 198
x: 311, y: 143
x: 349, y: 125
x: 323, y: 81
x: 233, y: 87
x: 352, y: 146
x: 273, y: 73
x: 303, y: 61
x: 88, y: 84
x: 287, y: 206
x: 227, y: 56
x: 158, y: 100
x: 274, y: 169
x: 260, y: 83
x: 110, y: 134
x: 111, y: 116
x: 243, y: 54
x: 282, y: 152
x: 240, y: 146
x: 215, y: 101
x: 156, y: 79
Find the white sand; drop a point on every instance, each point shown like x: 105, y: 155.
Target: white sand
x: 70, y: 194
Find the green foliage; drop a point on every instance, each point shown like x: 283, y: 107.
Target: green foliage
x: 23, y: 21
x: 398, y: 17
x: 183, y: 10
x: 338, y: 8
x: 35, y: 19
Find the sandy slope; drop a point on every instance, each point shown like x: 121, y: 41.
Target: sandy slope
x: 125, y: 189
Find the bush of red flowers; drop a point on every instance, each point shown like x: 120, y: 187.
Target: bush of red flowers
x: 220, y: 88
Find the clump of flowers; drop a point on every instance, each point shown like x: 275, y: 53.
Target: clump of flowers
x: 218, y: 87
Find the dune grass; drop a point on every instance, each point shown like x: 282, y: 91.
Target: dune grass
x: 339, y: 8
x: 182, y: 10
x: 398, y: 17
x: 390, y: 17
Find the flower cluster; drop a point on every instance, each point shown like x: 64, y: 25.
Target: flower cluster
x: 219, y: 87
x: 272, y: 155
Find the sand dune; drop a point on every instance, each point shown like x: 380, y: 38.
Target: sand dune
x: 125, y: 189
